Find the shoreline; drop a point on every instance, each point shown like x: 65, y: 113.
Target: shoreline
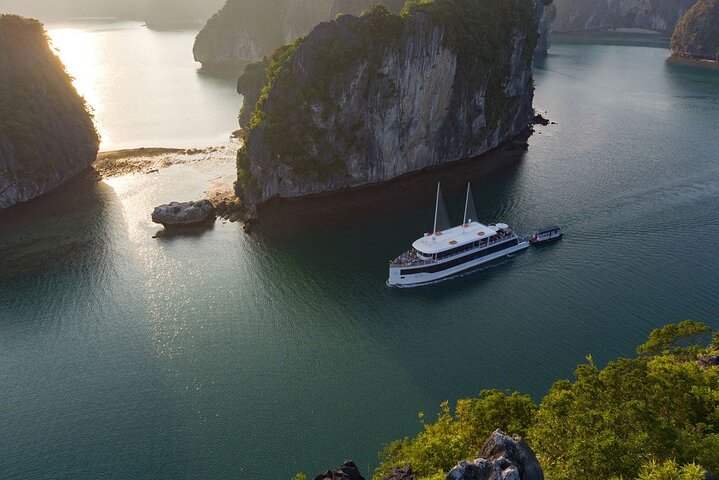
x: 212, y: 168
x: 114, y: 163
x: 695, y: 61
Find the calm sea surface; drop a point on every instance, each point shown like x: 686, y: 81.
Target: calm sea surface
x: 223, y: 355
x: 144, y: 86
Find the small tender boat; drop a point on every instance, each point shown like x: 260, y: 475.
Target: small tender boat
x: 442, y: 254
x: 548, y: 234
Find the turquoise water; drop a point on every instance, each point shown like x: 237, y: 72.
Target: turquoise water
x: 224, y: 355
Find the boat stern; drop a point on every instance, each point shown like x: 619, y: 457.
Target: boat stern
x: 394, y: 276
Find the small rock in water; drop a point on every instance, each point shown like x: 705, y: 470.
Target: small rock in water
x: 540, y: 120
x: 185, y: 213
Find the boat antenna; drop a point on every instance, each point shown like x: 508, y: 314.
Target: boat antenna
x: 436, y: 209
x: 466, y: 204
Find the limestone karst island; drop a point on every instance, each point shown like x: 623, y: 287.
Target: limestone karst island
x: 359, y: 239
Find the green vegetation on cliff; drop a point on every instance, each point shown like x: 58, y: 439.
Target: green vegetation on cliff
x: 652, y: 417
x: 300, y: 117
x: 697, y: 33
x: 33, y: 83
x: 46, y: 131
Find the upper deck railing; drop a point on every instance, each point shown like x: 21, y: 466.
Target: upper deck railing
x: 411, y: 258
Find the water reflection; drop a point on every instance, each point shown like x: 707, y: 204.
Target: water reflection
x: 145, y: 87
x: 68, y: 226
x: 409, y: 198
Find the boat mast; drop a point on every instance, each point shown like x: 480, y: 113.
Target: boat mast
x: 466, y: 204
x: 436, y: 209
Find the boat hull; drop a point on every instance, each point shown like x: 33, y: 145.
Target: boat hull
x: 396, y: 279
x: 546, y: 239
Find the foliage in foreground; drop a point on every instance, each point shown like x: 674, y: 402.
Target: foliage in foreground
x: 653, y: 417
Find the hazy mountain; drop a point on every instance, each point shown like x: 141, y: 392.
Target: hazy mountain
x: 156, y: 12
x: 61, y: 9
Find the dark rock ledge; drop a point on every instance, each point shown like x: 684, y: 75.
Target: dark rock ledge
x: 502, y: 458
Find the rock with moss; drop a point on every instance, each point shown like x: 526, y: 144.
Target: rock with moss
x: 245, y: 31
x: 591, y: 15
x: 47, y: 135
x: 363, y: 100
x: 697, y: 33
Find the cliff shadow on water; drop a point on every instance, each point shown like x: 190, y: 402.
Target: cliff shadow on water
x: 408, y: 199
x: 67, y: 229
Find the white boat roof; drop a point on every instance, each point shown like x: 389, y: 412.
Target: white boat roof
x: 454, y: 237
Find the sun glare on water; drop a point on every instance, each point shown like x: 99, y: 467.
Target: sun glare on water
x: 77, y: 50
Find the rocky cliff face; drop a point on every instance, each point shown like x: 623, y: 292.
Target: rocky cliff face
x: 697, y: 33
x: 245, y: 31
x: 46, y: 133
x: 657, y: 15
x: 365, y: 99
x: 547, y: 15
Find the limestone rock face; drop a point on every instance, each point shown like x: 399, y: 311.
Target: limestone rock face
x: 186, y: 213
x: 547, y: 14
x: 709, y: 360
x: 348, y: 471
x: 46, y: 133
x: 586, y: 15
x: 400, y: 473
x: 502, y: 458
x: 245, y: 31
x: 351, y: 107
x: 697, y: 33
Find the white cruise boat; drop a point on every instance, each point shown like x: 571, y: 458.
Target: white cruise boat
x: 442, y: 254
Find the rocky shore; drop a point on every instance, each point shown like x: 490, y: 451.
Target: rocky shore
x: 213, y: 166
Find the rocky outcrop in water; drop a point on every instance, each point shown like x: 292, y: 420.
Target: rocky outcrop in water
x: 46, y: 133
x: 185, y: 213
x: 588, y: 15
x: 697, y: 33
x: 366, y: 99
x: 245, y: 31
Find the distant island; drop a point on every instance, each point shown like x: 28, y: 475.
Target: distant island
x: 166, y: 14
x: 365, y: 99
x: 597, y: 15
x: 46, y: 131
x: 245, y: 31
x: 697, y: 34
